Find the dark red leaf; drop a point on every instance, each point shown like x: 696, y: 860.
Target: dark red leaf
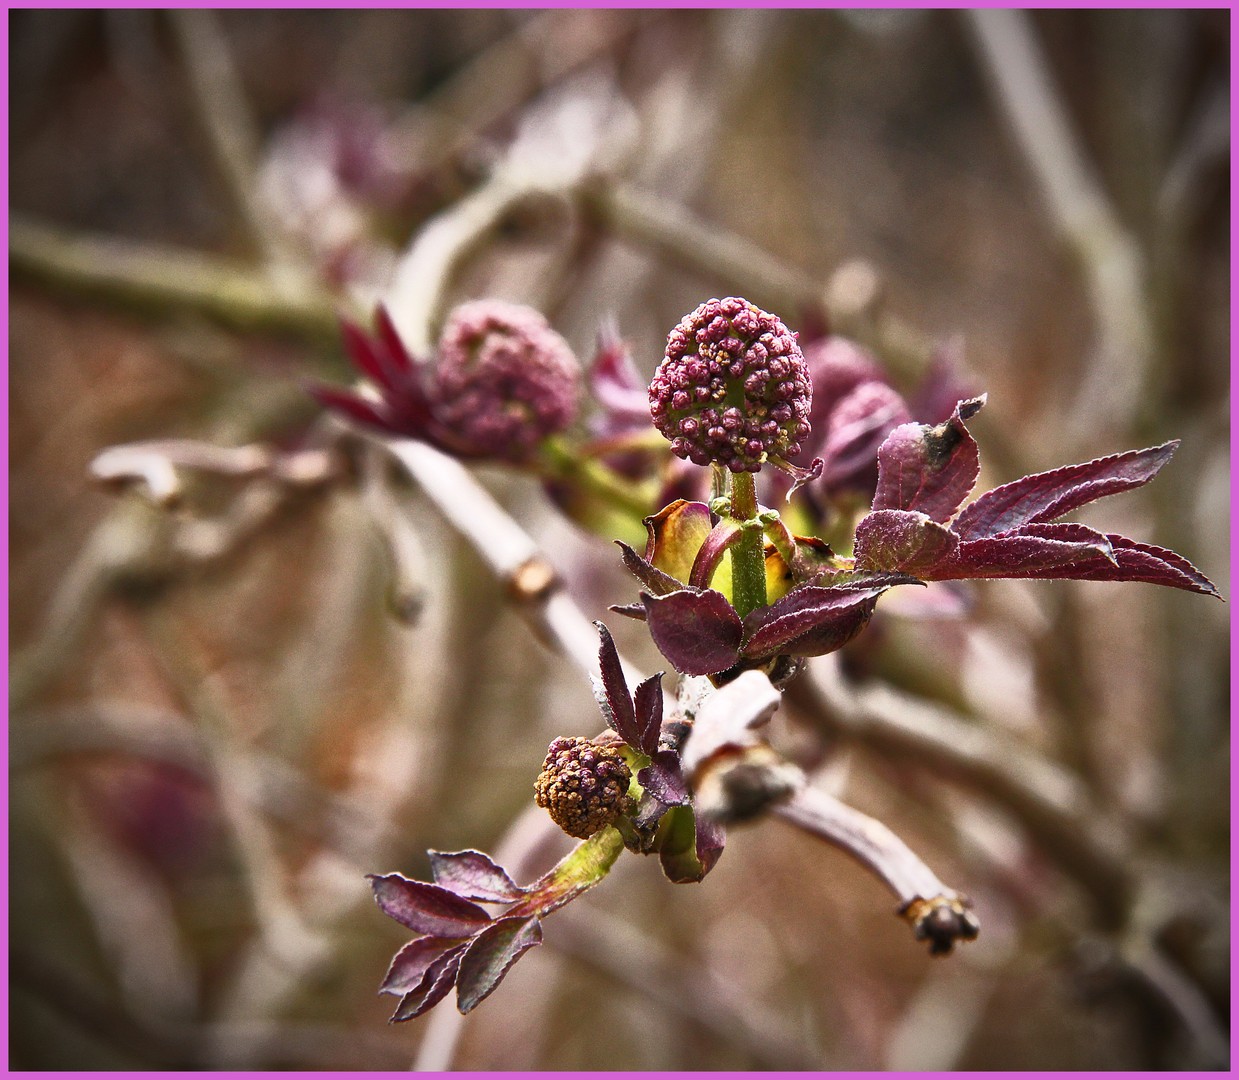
x: 1018, y: 555
x: 612, y: 692
x: 710, y: 838
x: 630, y: 611
x: 1141, y: 562
x: 1049, y: 495
x: 391, y: 339
x: 817, y: 615
x: 930, y: 469
x: 474, y: 875
x: 370, y: 359
x: 362, y: 410
x: 614, y: 379
x: 411, y: 963
x: 663, y: 779
x: 904, y: 540
x: 428, y: 909
x: 440, y: 977
x: 647, y: 573
x: 491, y: 955
x: 649, y: 706
x: 699, y: 632
x: 857, y: 427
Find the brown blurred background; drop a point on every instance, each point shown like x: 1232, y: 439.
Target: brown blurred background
x: 218, y: 725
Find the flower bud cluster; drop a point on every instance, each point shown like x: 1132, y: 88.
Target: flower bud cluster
x: 504, y: 379
x: 583, y: 786
x: 733, y: 387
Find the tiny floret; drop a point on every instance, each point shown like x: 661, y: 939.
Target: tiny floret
x: 504, y: 380
x: 733, y: 387
x: 583, y: 786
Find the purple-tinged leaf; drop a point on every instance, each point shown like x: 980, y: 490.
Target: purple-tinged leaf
x: 440, y: 977
x: 710, y: 838
x: 930, y: 469
x: 390, y: 337
x: 425, y: 908
x: 1017, y: 555
x: 362, y: 410
x: 614, y: 378
x: 649, y: 575
x: 370, y: 359
x: 410, y: 964
x: 717, y: 543
x: 857, y: 426
x: 663, y: 779
x: 630, y: 611
x: 649, y: 708
x: 699, y: 632
x: 1134, y: 561
x: 1049, y: 495
x: 905, y: 540
x: 474, y: 875
x: 809, y: 616
x: 490, y: 957
x: 676, y: 534
x: 649, y: 810
x: 614, y: 699
x: 677, y: 847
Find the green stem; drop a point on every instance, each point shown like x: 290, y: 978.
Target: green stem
x: 566, y: 463
x: 748, y: 555
x: 582, y: 868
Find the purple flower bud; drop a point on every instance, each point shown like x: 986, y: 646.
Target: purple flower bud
x: 505, y: 380
x: 736, y: 356
x: 583, y: 786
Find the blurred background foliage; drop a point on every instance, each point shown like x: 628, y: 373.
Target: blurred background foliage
x: 211, y: 744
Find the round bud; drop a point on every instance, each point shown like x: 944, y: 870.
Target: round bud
x: 583, y: 786
x: 733, y: 387
x: 504, y: 380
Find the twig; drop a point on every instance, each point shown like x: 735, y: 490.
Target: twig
x: 1046, y: 801
x: 936, y: 912
x: 158, y: 278
x: 1081, y: 212
x: 233, y: 133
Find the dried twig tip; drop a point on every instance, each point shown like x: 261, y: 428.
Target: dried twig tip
x: 942, y: 921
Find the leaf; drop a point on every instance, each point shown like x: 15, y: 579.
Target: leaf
x: 710, y: 838
x: 1049, y: 495
x: 474, y: 875
x: 615, y: 700
x: 409, y: 966
x: 1134, y: 561
x: 440, y: 977
x: 649, y: 575
x: 677, y: 847
x: 930, y: 469
x: 355, y: 407
x: 904, y: 540
x: 857, y: 427
x: 1017, y: 555
x: 676, y: 534
x: 629, y: 611
x: 649, y: 708
x: 428, y: 909
x: 718, y: 542
x: 698, y: 631
x: 614, y: 379
x: 370, y: 360
x: 809, y: 617
x: 663, y: 779
x: 491, y: 955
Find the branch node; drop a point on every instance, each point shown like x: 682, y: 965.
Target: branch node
x: 942, y: 921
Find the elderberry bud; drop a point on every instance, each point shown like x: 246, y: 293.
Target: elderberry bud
x: 504, y: 379
x: 733, y: 387
x: 583, y: 786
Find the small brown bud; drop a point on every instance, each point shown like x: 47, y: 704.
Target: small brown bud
x: 583, y: 786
